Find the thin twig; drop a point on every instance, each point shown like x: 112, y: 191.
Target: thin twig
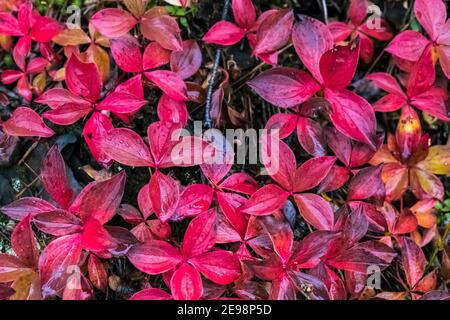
x: 325, y: 11
x: 212, y: 79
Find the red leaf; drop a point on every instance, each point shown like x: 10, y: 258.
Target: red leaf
x: 357, y: 260
x: 282, y: 237
x: 311, y: 40
x: 240, y: 182
x: 274, y: 32
x: 130, y: 214
x: 356, y: 226
x: 54, y: 178
x: 186, y: 62
x: 229, y: 204
x: 24, y: 244
x: 125, y: 146
x: 186, y: 283
x: 386, y: 82
x: 310, y: 136
x: 58, y: 223
x: 312, y: 172
x: 161, y: 28
x: 57, y: 263
x: 407, y: 45
x: 151, y: 294
x: 67, y: 114
x: 432, y: 102
x: 9, y: 25
x: 244, y: 13
x: 194, y: 200
x: 335, y: 179
x: 265, y: 201
x: 315, y: 210
x: 283, y: 122
x: 154, y: 257
x: 170, y: 110
x: 284, y: 87
x: 220, y: 266
x: 200, y: 235
x: 164, y: 195
x: 338, y: 66
x: 224, y: 33
x: 312, y: 248
x: 58, y: 97
x: 366, y: 183
x: 121, y: 102
x: 23, y: 207
x: 127, y: 54
x: 414, y: 261
x: 357, y: 11
x: 169, y: 82
x: 423, y: 74
x: 144, y: 202
x: 44, y: 29
x: 113, y: 22
x: 408, y: 133
x: 97, y: 273
x: 103, y: 199
x: 432, y: 15
x: 24, y: 122
x: 155, y: 56
x: 352, y: 115
x: 280, y: 162
x: 97, y: 125
x: 95, y: 237
x: 83, y: 79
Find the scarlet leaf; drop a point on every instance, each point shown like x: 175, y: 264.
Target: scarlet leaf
x: 311, y: 39
x: 265, y: 201
x: 352, y: 115
x: 83, y: 79
x: 220, y: 266
x: 97, y: 273
x: 23, y: 207
x: 164, y: 195
x: 194, y: 200
x: 58, y: 223
x: 24, y: 243
x: 244, y: 13
x: 24, y: 122
x: 413, y: 261
x: 224, y: 33
x: 151, y: 294
x: 284, y: 87
x: 315, y: 210
x: 161, y: 28
x: 274, y: 32
x: 186, y: 283
x: 125, y: 146
x: 338, y: 66
x: 54, y: 178
x: 200, y: 235
x: 57, y: 263
x: 113, y: 22
x: 169, y: 82
x: 186, y: 62
x: 154, y: 257
x: 312, y: 172
x: 127, y: 54
x: 102, y: 199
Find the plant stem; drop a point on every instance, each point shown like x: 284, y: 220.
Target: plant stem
x: 439, y: 248
x: 212, y: 79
